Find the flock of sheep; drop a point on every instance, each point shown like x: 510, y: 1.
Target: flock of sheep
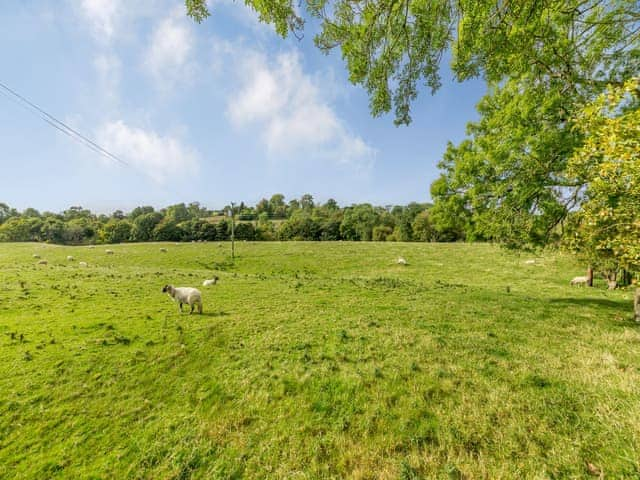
x: 193, y: 297
x: 181, y: 295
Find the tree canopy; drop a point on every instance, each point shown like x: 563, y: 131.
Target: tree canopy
x: 391, y: 47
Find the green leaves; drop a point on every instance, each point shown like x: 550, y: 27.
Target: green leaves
x: 607, y: 229
x: 391, y: 47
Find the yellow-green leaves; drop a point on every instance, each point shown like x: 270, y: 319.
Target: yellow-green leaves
x: 607, y: 227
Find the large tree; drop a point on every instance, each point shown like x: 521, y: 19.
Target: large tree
x: 606, y: 229
x: 392, y: 46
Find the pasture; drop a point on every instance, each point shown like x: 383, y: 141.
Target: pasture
x: 313, y: 361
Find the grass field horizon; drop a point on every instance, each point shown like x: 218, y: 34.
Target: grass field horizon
x: 314, y: 360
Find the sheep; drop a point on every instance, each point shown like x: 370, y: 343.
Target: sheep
x: 35, y: 255
x: 70, y: 258
x: 401, y: 261
x: 42, y: 262
x: 636, y: 305
x: 82, y: 264
x: 91, y: 246
x: 579, y: 281
x: 213, y: 281
x: 108, y: 251
x: 529, y: 262
x: 163, y: 250
x: 182, y: 295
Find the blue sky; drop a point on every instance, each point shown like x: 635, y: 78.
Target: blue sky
x: 217, y: 112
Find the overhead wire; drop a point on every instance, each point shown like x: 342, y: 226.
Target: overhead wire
x: 58, y: 124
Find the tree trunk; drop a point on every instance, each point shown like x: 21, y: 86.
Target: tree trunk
x: 590, y: 276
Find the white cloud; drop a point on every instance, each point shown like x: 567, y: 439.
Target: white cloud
x: 103, y: 16
x: 290, y: 108
x: 159, y: 157
x: 109, y: 69
x: 168, y: 57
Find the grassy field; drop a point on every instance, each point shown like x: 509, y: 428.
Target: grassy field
x: 313, y: 361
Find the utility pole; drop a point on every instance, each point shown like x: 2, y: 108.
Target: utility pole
x: 233, y: 227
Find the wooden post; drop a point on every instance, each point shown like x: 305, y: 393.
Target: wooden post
x: 233, y: 228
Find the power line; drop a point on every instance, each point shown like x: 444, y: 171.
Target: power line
x: 58, y: 124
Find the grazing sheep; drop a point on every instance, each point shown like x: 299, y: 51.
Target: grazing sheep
x: 91, y: 246
x: 82, y: 264
x: 401, y: 261
x: 579, y: 281
x: 35, y: 255
x: 163, y: 250
x: 182, y: 295
x: 108, y: 252
x: 42, y: 262
x: 70, y: 258
x: 213, y: 281
x: 529, y: 262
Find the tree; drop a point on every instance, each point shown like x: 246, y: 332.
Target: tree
x: 423, y: 230
x: 116, y: 231
x: 6, y: 212
x: 306, y: 202
x: 606, y: 229
x: 392, y: 46
x: 136, y: 212
x: 510, y: 175
x: 358, y: 222
x: 277, y: 205
x: 144, y: 224
x: 177, y: 213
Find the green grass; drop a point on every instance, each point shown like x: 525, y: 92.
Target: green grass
x: 313, y: 360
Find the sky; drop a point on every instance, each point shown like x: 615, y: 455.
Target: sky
x: 218, y: 112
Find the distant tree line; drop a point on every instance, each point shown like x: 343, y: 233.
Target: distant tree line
x: 269, y: 219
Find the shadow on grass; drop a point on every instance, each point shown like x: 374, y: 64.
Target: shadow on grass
x: 213, y: 314
x: 622, y: 305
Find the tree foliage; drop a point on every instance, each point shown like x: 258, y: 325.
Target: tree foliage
x: 606, y: 228
x: 391, y: 47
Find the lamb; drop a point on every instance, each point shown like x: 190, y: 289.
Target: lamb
x: 70, y: 258
x: 579, y: 281
x: 163, y: 250
x: 182, y: 295
x: 82, y: 264
x: 213, y: 281
x: 108, y: 251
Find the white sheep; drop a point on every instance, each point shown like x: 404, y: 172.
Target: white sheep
x: 35, y: 255
x: 182, y: 295
x: 163, y: 250
x: 70, y: 258
x: 42, y: 262
x: 212, y: 281
x: 82, y: 264
x: 579, y: 281
x: 529, y: 262
x: 91, y: 246
x: 401, y: 261
x: 108, y: 251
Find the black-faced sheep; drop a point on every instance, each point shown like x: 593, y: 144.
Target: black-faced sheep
x: 182, y: 295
